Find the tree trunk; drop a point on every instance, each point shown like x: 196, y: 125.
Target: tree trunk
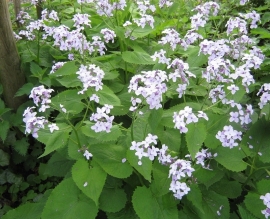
x: 11, y: 76
x: 17, y: 9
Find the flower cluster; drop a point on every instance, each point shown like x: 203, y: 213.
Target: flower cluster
x: 143, y: 7
x: 242, y: 117
x: 202, y: 156
x: 102, y: 119
x: 90, y: 76
x: 180, y: 170
x: 185, y: 117
x: 41, y: 96
x: 108, y: 35
x: 266, y: 201
x: 264, y: 99
x: 150, y: 85
x: 56, y: 66
x: 228, y: 136
x: 172, y: 37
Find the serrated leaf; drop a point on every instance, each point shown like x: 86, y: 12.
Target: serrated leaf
x: 68, y: 68
x: 61, y: 162
x: 25, y: 89
x: 229, y: 189
x: 90, y: 180
x: 35, y: 69
x: 141, y: 127
x: 55, y: 140
x: 139, y: 58
x: 4, y: 127
x: 4, y: 158
x: 195, y: 197
x: 170, y: 137
x: 195, y: 137
x: 74, y: 151
x: 112, y: 200
x: 231, y: 158
x: 69, y: 81
x: 106, y: 96
x: 194, y: 59
x: 155, y: 118
x: 145, y: 169
x: 147, y: 206
x: 21, y: 146
x: 104, y: 136
x: 110, y: 157
x: 254, y: 204
x: 71, y: 101
x: 263, y: 186
x: 245, y: 213
x: 68, y: 202
x: 161, y: 183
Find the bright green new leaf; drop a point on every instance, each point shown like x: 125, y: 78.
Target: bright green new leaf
x: 68, y: 202
x: 148, y: 206
x: 112, y: 200
x: 110, y: 157
x: 89, y: 179
x: 55, y: 140
x: 195, y: 137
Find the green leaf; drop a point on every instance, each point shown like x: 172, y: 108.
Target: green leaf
x: 112, y: 200
x: 69, y: 81
x: 139, y: 58
x: 245, y: 213
x: 106, y: 96
x: 145, y: 169
x: 28, y: 210
x: 61, y: 162
x: 263, y: 32
x: 215, y: 204
x: 229, y: 189
x: 231, y: 158
x: 109, y: 157
x: 155, y: 118
x: 4, y: 127
x: 4, y: 158
x: 35, y: 69
x: 263, y: 186
x: 68, y: 68
x: 140, y: 32
x: 71, y: 101
x: 90, y: 180
x: 195, y: 197
x: 141, y: 127
x: 195, y: 137
x: 55, y: 140
x: 68, y: 202
x: 254, y: 204
x: 147, y: 206
x: 110, y: 75
x: 104, y: 136
x: 74, y: 151
x: 21, y: 146
x: 161, y: 183
x: 25, y: 89
x: 194, y: 59
x: 170, y: 137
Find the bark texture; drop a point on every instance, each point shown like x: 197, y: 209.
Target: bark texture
x: 17, y: 9
x: 11, y: 76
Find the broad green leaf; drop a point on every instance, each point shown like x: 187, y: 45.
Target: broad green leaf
x: 35, y: 69
x: 27, y: 210
x: 245, y: 213
x: 170, y: 137
x: 110, y: 75
x: 103, y: 136
x: 74, y: 151
x: 123, y: 109
x: 61, y: 162
x: 140, y: 32
x: 45, y: 58
x: 254, y: 204
x: 89, y: 179
x: 145, y: 169
x: 229, y: 189
x: 68, y: 68
x: 139, y: 58
x: 127, y: 212
x: 106, y: 96
x: 69, y: 81
x: 161, y: 183
x: 215, y: 206
x: 4, y: 127
x: 231, y: 158
x: 258, y: 136
x: 21, y: 146
x: 112, y: 200
x: 154, y: 118
x: 263, y: 32
x: 148, y: 206
x: 25, y: 89
x: 263, y: 186
x: 141, y: 127
x: 4, y: 158
x: 68, y: 202
x: 195, y: 137
x: 110, y: 157
x: 195, y: 197
x: 194, y: 59
x: 71, y: 101
x: 55, y: 140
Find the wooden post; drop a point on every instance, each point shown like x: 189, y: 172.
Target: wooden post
x: 11, y: 76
